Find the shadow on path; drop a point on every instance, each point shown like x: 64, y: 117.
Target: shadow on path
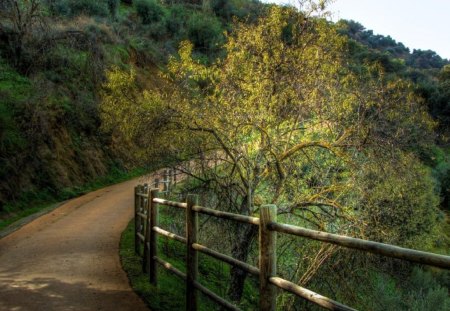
x: 52, y: 294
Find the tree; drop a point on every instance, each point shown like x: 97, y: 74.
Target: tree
x: 426, y: 59
x: 406, y: 186
x: 281, y: 119
x: 18, y: 20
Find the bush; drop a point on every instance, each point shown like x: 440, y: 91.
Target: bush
x: 205, y: 31
x: 88, y: 7
x: 157, y: 31
x: 223, y: 8
x: 58, y: 7
x: 149, y: 11
x: 176, y: 21
x: 425, y: 292
x: 242, y: 9
x: 78, y: 7
x: 113, y: 6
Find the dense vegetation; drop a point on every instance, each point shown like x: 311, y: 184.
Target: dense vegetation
x: 344, y: 130
x: 426, y: 69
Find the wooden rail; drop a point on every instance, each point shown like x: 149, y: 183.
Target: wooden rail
x: 147, y: 229
x: 388, y: 250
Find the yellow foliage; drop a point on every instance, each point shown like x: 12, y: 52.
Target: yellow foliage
x: 291, y: 121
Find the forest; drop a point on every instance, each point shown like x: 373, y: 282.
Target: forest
x: 344, y: 130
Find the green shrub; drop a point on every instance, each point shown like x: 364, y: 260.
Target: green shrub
x: 78, y: 7
x: 425, y: 293
x: 58, y: 7
x: 149, y: 11
x: 113, y: 6
x: 205, y: 31
x: 88, y: 7
x: 157, y: 31
x: 241, y: 9
x: 176, y: 20
x: 223, y: 8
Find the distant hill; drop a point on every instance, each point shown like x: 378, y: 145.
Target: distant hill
x: 420, y: 59
x: 425, y: 68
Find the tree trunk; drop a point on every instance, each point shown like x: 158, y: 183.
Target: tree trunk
x: 241, y: 249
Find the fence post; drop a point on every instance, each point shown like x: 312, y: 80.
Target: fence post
x: 175, y: 176
x: 136, y: 210
x: 153, y: 238
x: 146, y: 258
x: 267, y: 258
x: 192, y: 255
x: 141, y: 210
x: 156, y: 183
x: 170, y: 179
x: 166, y: 181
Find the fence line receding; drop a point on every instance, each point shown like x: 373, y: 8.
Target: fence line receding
x: 147, y: 229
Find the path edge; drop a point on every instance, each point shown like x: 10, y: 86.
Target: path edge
x: 26, y: 220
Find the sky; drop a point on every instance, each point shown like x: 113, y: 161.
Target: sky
x: 418, y: 24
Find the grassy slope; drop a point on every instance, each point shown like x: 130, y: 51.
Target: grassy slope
x: 70, y: 156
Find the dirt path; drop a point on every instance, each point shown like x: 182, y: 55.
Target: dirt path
x: 69, y: 258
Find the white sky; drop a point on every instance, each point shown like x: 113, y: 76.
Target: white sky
x: 418, y: 24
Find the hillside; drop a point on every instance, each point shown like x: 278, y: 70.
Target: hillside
x: 53, y: 60
x: 345, y: 131
x: 426, y: 69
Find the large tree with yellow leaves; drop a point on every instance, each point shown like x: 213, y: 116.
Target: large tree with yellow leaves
x: 283, y: 118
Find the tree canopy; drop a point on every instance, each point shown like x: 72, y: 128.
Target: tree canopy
x: 284, y: 118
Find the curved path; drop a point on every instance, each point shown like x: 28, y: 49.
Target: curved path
x: 69, y: 258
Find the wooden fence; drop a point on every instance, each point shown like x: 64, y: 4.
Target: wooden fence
x: 147, y: 229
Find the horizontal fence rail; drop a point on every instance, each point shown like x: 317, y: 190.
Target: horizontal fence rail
x: 307, y: 294
x: 388, y: 250
x: 229, y: 260
x: 147, y: 229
